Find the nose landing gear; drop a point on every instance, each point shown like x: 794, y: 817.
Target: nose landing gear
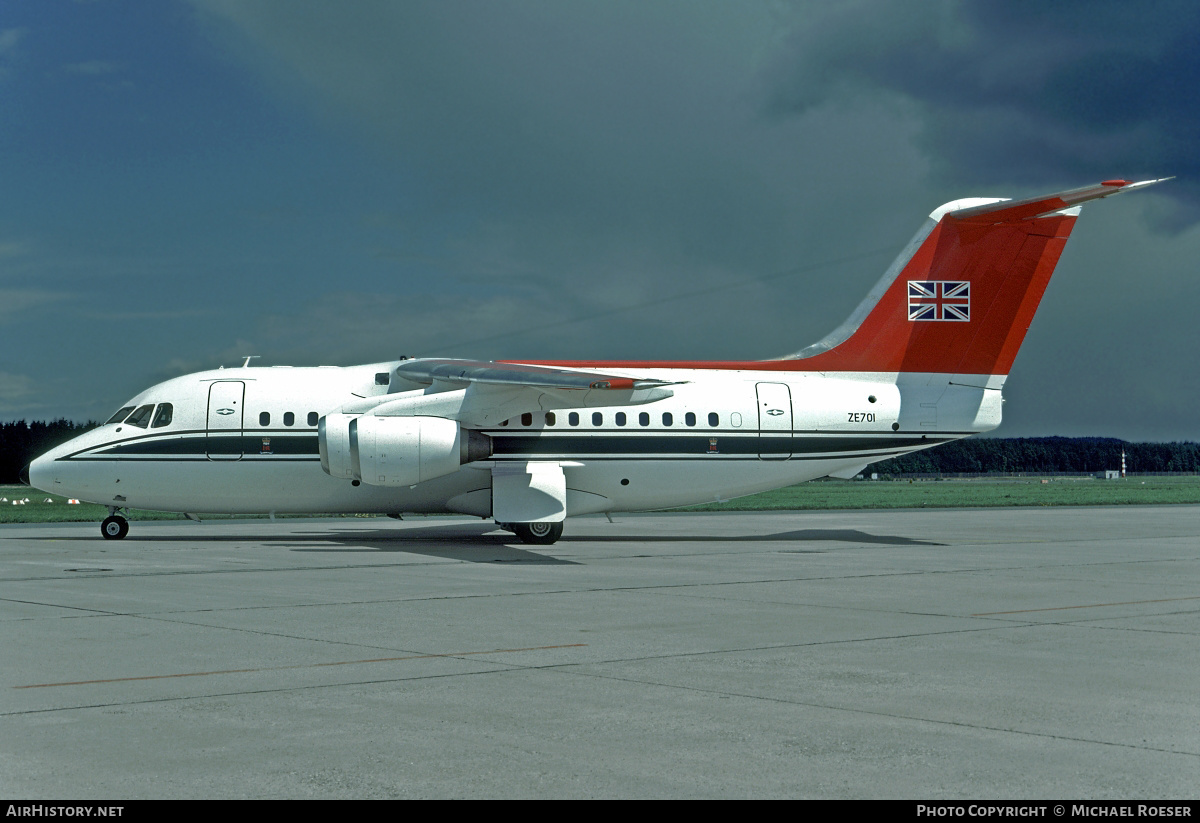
x: 114, y: 526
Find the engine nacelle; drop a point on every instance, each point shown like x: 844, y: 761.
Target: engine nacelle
x: 396, y: 451
x: 333, y: 440
x: 403, y: 451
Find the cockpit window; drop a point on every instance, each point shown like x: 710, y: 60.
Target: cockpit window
x: 141, y: 417
x: 121, y: 415
x: 162, y: 417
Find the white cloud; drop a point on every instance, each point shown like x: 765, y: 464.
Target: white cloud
x: 92, y: 68
x: 17, y: 393
x: 13, y: 248
x: 9, y: 38
x: 16, y: 302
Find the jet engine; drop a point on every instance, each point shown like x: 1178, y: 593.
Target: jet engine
x: 396, y: 451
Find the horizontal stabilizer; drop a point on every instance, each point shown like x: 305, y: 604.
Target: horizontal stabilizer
x: 1003, y: 211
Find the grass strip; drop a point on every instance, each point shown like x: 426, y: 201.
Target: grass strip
x: 819, y: 494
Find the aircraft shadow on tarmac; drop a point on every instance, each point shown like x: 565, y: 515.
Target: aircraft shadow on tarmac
x: 798, y: 536
x: 474, y: 543
x: 461, y: 542
x: 850, y: 536
x: 484, y: 543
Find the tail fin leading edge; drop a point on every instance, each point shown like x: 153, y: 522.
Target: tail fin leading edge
x: 961, y: 296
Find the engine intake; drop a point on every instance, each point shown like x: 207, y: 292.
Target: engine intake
x: 396, y: 451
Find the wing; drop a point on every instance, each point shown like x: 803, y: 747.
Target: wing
x: 481, y: 393
x: 428, y: 372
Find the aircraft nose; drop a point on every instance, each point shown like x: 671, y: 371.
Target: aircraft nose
x: 36, y: 474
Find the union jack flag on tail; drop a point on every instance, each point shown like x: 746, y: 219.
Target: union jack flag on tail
x: 939, y: 300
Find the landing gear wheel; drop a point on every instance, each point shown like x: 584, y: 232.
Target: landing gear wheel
x: 114, y: 527
x: 541, y: 534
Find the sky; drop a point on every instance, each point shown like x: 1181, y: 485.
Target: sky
x: 183, y: 184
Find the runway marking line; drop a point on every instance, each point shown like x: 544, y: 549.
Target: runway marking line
x: 1088, y: 606
x: 299, y: 666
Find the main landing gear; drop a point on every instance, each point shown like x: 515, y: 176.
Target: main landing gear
x: 114, y: 526
x: 539, y: 534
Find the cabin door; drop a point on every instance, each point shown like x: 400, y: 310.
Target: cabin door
x: 224, y: 436
x: 774, y: 421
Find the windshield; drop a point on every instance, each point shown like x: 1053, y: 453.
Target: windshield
x: 119, y: 416
x: 141, y: 417
x: 163, y: 416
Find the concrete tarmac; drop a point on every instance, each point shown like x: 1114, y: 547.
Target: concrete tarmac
x: 953, y: 654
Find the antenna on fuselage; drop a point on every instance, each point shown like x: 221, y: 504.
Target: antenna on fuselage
x: 250, y: 357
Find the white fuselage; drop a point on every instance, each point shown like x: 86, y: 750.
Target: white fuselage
x: 246, y: 441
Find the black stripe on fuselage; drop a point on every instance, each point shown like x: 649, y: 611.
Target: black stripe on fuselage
x: 199, y: 443
x: 216, y: 444
x: 683, y: 445
x: 193, y: 441
x: 813, y: 445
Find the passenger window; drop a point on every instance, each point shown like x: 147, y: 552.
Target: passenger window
x: 620, y: 418
x: 573, y: 418
x: 713, y: 420
x: 312, y: 418
x: 289, y: 419
x: 527, y: 419
x: 141, y: 417
x: 668, y: 419
x: 597, y: 419
x: 264, y: 419
x: 690, y: 418
x: 550, y: 418
x: 163, y: 416
x: 644, y: 419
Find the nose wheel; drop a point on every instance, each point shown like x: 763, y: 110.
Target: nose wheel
x: 114, y: 527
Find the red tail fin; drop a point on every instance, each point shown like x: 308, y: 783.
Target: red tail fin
x: 962, y: 295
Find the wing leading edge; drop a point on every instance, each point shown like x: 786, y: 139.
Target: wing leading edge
x: 428, y: 372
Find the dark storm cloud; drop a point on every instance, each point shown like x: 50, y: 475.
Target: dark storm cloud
x: 596, y: 178
x: 561, y: 161
x: 1024, y: 91
x: 569, y: 115
x: 587, y: 155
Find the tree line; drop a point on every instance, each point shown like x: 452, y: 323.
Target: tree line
x: 1044, y: 454
x: 21, y: 442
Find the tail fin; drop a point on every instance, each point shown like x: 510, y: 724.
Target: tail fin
x: 962, y: 294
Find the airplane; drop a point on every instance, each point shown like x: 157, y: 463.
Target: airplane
x: 921, y: 361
